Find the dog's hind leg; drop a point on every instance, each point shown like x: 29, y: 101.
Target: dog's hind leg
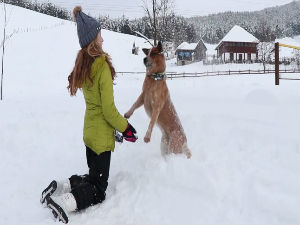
x: 164, y: 144
x: 186, y: 150
x: 175, y: 143
x: 138, y: 103
x: 178, y: 144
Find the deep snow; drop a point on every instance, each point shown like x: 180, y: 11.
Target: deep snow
x: 243, y: 132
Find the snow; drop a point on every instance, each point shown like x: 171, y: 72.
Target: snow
x: 243, y: 132
x: 211, y: 49
x: 238, y: 34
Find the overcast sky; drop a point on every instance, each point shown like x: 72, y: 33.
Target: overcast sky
x: 187, y: 8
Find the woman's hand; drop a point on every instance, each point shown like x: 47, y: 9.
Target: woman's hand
x: 129, y: 134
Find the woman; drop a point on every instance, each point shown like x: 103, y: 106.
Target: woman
x: 94, y: 74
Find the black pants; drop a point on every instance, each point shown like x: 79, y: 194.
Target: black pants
x: 90, y: 189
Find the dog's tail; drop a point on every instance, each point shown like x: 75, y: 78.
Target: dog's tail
x: 186, y: 150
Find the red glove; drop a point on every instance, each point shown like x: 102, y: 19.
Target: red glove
x: 129, y: 133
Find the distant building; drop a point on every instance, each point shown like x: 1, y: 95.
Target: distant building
x: 238, y: 45
x: 188, y: 53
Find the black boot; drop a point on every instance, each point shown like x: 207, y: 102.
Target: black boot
x: 56, y: 188
x: 61, y: 205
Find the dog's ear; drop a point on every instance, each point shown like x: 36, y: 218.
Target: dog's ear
x: 146, y: 51
x: 159, y: 46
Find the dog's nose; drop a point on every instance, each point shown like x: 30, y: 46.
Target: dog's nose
x: 145, y: 61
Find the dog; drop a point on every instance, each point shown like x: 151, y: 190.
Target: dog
x: 156, y: 99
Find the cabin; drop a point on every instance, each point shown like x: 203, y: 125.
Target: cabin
x: 238, y: 46
x: 190, y: 52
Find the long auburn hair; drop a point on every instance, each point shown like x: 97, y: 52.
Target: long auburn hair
x: 81, y: 72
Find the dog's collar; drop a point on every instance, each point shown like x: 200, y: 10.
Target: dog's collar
x: 158, y: 76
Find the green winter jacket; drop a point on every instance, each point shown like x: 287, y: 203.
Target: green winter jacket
x: 101, y: 115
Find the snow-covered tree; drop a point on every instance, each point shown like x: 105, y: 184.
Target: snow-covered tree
x: 46, y: 8
x: 265, y: 52
x: 296, y: 55
x: 280, y: 21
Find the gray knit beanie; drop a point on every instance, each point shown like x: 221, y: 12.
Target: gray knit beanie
x: 87, y: 27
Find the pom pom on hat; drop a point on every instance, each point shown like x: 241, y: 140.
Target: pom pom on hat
x: 76, y: 10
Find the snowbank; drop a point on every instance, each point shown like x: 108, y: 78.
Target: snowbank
x: 243, y: 132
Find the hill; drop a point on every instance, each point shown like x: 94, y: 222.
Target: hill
x: 269, y: 23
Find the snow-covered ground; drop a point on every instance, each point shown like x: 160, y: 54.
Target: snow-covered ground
x: 243, y: 132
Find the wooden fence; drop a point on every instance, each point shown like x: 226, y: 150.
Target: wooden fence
x: 174, y: 75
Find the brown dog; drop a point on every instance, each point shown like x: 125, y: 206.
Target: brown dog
x: 158, y: 105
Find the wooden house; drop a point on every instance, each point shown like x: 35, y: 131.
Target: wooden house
x: 187, y: 53
x: 238, y: 45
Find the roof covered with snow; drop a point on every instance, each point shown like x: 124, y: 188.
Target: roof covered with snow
x: 239, y: 34
x: 187, y: 46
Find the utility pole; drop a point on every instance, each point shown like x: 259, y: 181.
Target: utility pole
x: 276, y: 63
x: 3, y: 48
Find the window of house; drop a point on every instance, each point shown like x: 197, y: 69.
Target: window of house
x: 249, y: 56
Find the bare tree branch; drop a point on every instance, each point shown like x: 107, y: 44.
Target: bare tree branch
x: 157, y: 16
x: 143, y: 36
x: 265, y: 52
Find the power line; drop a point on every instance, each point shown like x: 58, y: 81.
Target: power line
x: 127, y: 7
x: 121, y: 8
x: 116, y: 7
x: 96, y: 4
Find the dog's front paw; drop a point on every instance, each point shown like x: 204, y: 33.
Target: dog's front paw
x: 127, y: 115
x: 146, y: 139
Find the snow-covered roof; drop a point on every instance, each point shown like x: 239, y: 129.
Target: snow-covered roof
x: 187, y: 46
x: 238, y: 34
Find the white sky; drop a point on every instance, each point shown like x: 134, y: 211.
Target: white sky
x: 187, y: 8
